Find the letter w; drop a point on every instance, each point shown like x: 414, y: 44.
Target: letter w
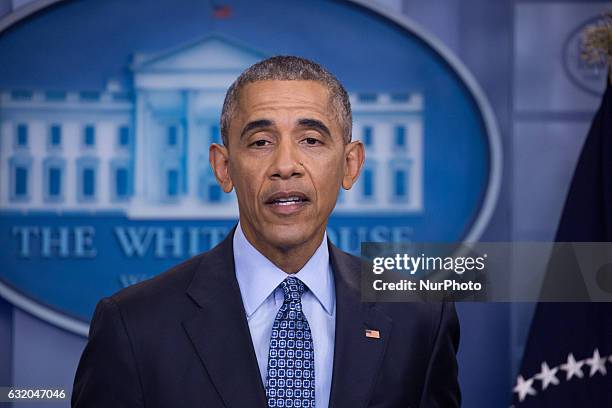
x: 134, y: 241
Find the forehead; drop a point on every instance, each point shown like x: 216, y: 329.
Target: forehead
x: 273, y: 96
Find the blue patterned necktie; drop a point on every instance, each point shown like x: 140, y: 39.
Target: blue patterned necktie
x: 291, y: 376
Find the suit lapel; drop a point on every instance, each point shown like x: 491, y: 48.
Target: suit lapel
x: 357, y: 358
x: 219, y: 330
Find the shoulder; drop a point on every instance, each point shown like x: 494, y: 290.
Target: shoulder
x: 344, y: 259
x: 165, y: 298
x: 167, y: 284
x: 161, y: 301
x: 172, y: 284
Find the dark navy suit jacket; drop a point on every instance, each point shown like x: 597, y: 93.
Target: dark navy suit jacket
x: 181, y: 339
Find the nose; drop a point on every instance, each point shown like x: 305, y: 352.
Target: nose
x: 286, y: 162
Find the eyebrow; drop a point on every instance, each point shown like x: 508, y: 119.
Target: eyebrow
x: 308, y: 123
x: 314, y: 124
x: 256, y: 125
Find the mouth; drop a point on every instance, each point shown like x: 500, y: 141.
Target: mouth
x: 287, y: 203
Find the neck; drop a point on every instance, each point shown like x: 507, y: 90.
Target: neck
x: 290, y: 259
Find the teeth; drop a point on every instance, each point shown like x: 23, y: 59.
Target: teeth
x: 287, y: 201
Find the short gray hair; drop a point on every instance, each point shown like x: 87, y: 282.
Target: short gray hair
x: 288, y: 68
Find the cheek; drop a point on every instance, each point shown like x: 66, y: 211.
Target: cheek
x: 246, y: 183
x: 328, y: 179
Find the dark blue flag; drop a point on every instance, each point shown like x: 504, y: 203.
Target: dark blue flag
x: 568, y: 355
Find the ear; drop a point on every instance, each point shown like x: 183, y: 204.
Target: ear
x: 218, y: 156
x: 354, y: 156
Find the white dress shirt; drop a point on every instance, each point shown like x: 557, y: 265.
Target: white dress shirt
x: 259, y: 278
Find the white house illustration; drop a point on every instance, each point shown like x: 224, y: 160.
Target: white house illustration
x: 144, y: 151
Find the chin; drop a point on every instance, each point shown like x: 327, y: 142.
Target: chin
x: 286, y: 236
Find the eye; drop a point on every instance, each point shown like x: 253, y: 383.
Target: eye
x: 260, y: 143
x: 312, y: 141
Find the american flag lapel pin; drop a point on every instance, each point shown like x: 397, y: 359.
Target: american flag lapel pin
x: 373, y: 334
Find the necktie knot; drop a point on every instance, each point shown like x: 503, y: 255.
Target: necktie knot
x: 293, y: 289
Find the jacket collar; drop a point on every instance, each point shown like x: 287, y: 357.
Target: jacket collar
x: 219, y: 330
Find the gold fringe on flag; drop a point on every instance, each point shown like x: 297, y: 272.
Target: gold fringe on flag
x: 597, y: 43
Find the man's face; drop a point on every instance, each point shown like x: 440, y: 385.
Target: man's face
x: 287, y: 159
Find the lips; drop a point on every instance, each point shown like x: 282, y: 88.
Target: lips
x: 287, y: 202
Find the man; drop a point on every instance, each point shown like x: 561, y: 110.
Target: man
x: 272, y: 316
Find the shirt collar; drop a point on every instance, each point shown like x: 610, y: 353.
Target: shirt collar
x: 258, y: 277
